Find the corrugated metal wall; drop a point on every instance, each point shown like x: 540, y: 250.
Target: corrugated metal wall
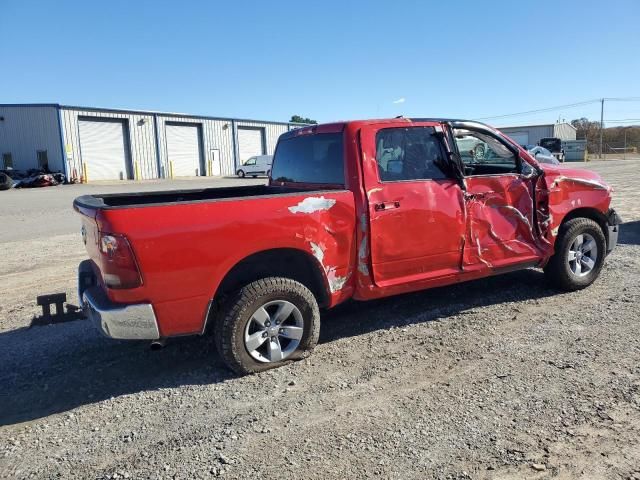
x: 272, y: 132
x: 536, y: 132
x: 141, y: 139
x: 27, y: 129
x: 216, y: 134
x: 564, y: 131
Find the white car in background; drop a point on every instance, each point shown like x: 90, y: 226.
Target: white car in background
x: 471, y: 147
x: 542, y: 155
x: 254, y: 166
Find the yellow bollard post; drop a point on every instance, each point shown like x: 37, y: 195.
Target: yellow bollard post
x: 170, y: 169
x: 84, y: 173
x: 137, y: 171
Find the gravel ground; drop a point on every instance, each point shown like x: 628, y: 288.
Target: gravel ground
x: 500, y: 378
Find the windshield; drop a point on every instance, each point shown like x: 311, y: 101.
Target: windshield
x: 310, y: 159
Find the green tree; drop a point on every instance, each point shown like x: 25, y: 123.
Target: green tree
x: 299, y: 119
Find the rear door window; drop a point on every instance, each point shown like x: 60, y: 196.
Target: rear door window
x: 317, y: 158
x: 412, y: 153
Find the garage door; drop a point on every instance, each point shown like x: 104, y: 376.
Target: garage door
x: 183, y: 149
x: 104, y: 150
x: 250, y: 142
x: 521, y: 138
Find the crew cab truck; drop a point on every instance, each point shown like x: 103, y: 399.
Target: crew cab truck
x: 352, y: 210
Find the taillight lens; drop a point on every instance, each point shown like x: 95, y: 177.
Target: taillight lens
x: 119, y: 267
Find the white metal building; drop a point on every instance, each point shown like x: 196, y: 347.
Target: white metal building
x: 531, y: 134
x: 111, y: 144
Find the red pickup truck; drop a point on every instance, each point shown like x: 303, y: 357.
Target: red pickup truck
x: 353, y: 210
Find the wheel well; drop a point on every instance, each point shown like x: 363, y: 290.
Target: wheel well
x: 592, y: 214
x: 280, y: 262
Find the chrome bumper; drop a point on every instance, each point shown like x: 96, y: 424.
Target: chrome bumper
x: 125, y: 322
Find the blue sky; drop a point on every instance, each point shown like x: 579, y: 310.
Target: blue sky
x: 326, y: 59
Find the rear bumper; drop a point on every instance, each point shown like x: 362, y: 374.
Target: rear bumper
x: 125, y: 322
x: 613, y: 225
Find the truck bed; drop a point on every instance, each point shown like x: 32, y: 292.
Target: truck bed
x: 142, y: 199
x: 185, y: 242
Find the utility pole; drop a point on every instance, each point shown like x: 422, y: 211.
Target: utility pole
x: 625, y: 143
x: 601, y: 124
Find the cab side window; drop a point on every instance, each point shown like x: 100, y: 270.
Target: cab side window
x: 251, y: 161
x: 411, y: 153
x: 483, y: 154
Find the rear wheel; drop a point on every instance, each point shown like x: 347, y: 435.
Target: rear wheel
x: 580, y: 252
x: 266, y: 324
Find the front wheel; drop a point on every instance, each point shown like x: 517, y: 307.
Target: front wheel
x: 241, y: 173
x: 580, y: 251
x: 266, y: 324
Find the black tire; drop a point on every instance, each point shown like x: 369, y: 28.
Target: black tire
x: 5, y: 181
x: 268, y: 173
x: 238, y: 309
x: 240, y: 173
x: 557, y: 270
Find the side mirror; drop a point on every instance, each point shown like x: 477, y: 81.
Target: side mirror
x: 527, y: 171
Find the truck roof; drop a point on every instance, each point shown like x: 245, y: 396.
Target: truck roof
x: 336, y: 127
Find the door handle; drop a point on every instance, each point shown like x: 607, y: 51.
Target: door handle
x: 386, y: 205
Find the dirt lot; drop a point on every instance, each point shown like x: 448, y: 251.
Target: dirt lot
x: 501, y: 378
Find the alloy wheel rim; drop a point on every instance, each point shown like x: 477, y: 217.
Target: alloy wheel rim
x: 274, y: 331
x: 583, y: 255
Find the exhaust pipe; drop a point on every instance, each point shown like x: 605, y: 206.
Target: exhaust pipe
x: 158, y: 344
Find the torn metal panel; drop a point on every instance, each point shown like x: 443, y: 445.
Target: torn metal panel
x: 580, y: 181
x: 363, y: 223
x: 572, y: 189
x: 363, y: 256
x: 500, y: 222
x: 317, y: 252
x: 335, y: 282
x: 313, y: 204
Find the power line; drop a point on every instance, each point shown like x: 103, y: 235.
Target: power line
x: 623, y: 99
x: 560, y: 107
x: 540, y: 110
x: 622, y: 120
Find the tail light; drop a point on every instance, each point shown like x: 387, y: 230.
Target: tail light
x: 118, y: 266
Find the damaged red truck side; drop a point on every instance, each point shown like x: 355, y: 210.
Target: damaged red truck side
x: 353, y: 210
